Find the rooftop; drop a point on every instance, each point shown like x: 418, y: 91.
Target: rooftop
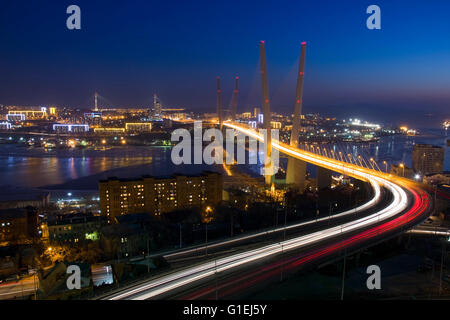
x: 13, y: 193
x: 203, y: 174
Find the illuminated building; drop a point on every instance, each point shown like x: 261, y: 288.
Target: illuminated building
x: 157, y: 195
x: 74, y: 128
x: 252, y: 124
x: 157, y: 106
x: 256, y: 112
x: 93, y: 118
x: 275, y: 124
x: 75, y: 228
x: 30, y: 114
x: 261, y: 118
x: 437, y: 179
x: 18, y: 226
x: 5, y: 126
x: 138, y: 127
x: 109, y: 130
x: 427, y: 159
x: 246, y: 115
x: 52, y: 111
x: 15, y: 117
x: 177, y: 116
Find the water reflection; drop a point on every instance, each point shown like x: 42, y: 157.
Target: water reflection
x: 81, y: 169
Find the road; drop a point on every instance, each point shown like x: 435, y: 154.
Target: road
x: 21, y: 289
x: 257, y: 239
x: 410, y: 205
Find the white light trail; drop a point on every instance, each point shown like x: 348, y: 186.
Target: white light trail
x: 177, y: 279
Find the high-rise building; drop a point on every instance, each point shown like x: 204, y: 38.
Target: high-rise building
x: 157, y: 195
x: 74, y: 128
x: 93, y: 119
x: 427, y: 159
x: 256, y: 112
x: 138, y: 127
x: 157, y: 108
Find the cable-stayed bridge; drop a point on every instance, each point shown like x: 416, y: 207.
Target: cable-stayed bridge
x: 397, y: 205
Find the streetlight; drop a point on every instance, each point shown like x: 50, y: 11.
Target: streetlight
x: 359, y: 159
x: 372, y: 162
x: 403, y: 169
x: 385, y: 164
x: 207, y: 219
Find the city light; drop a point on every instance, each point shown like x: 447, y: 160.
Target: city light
x: 321, y: 170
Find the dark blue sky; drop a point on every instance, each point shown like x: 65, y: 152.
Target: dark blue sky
x: 127, y: 50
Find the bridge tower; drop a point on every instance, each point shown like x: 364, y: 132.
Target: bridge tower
x: 95, y: 102
x: 219, y: 103
x: 266, y: 113
x: 234, y: 100
x: 296, y: 169
x: 157, y: 108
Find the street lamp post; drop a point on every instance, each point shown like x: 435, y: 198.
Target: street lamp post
x: 329, y: 213
x: 206, y: 245
x: 148, y: 254
x: 442, y: 266
x: 180, y: 237
x: 34, y: 285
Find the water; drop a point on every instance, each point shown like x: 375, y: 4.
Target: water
x: 77, y: 169
x: 397, y: 149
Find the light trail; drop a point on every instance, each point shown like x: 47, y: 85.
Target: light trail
x: 399, y: 204
x: 421, y: 203
x: 431, y: 232
x: 376, y: 198
x: 178, y: 279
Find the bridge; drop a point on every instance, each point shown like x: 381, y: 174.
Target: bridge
x: 308, y: 243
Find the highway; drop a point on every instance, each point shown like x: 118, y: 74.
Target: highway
x: 20, y: 289
x: 409, y: 205
x: 273, y: 233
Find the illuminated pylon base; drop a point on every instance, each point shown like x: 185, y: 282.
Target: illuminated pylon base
x: 268, y: 180
x: 323, y: 178
x: 296, y: 172
x: 268, y: 173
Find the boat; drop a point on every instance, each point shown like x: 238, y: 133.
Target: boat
x: 446, y: 125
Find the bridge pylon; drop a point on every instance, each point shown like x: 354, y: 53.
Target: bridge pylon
x: 266, y: 115
x: 219, y: 103
x: 296, y: 170
x: 234, y: 99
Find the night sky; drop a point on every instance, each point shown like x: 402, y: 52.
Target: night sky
x: 128, y: 50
